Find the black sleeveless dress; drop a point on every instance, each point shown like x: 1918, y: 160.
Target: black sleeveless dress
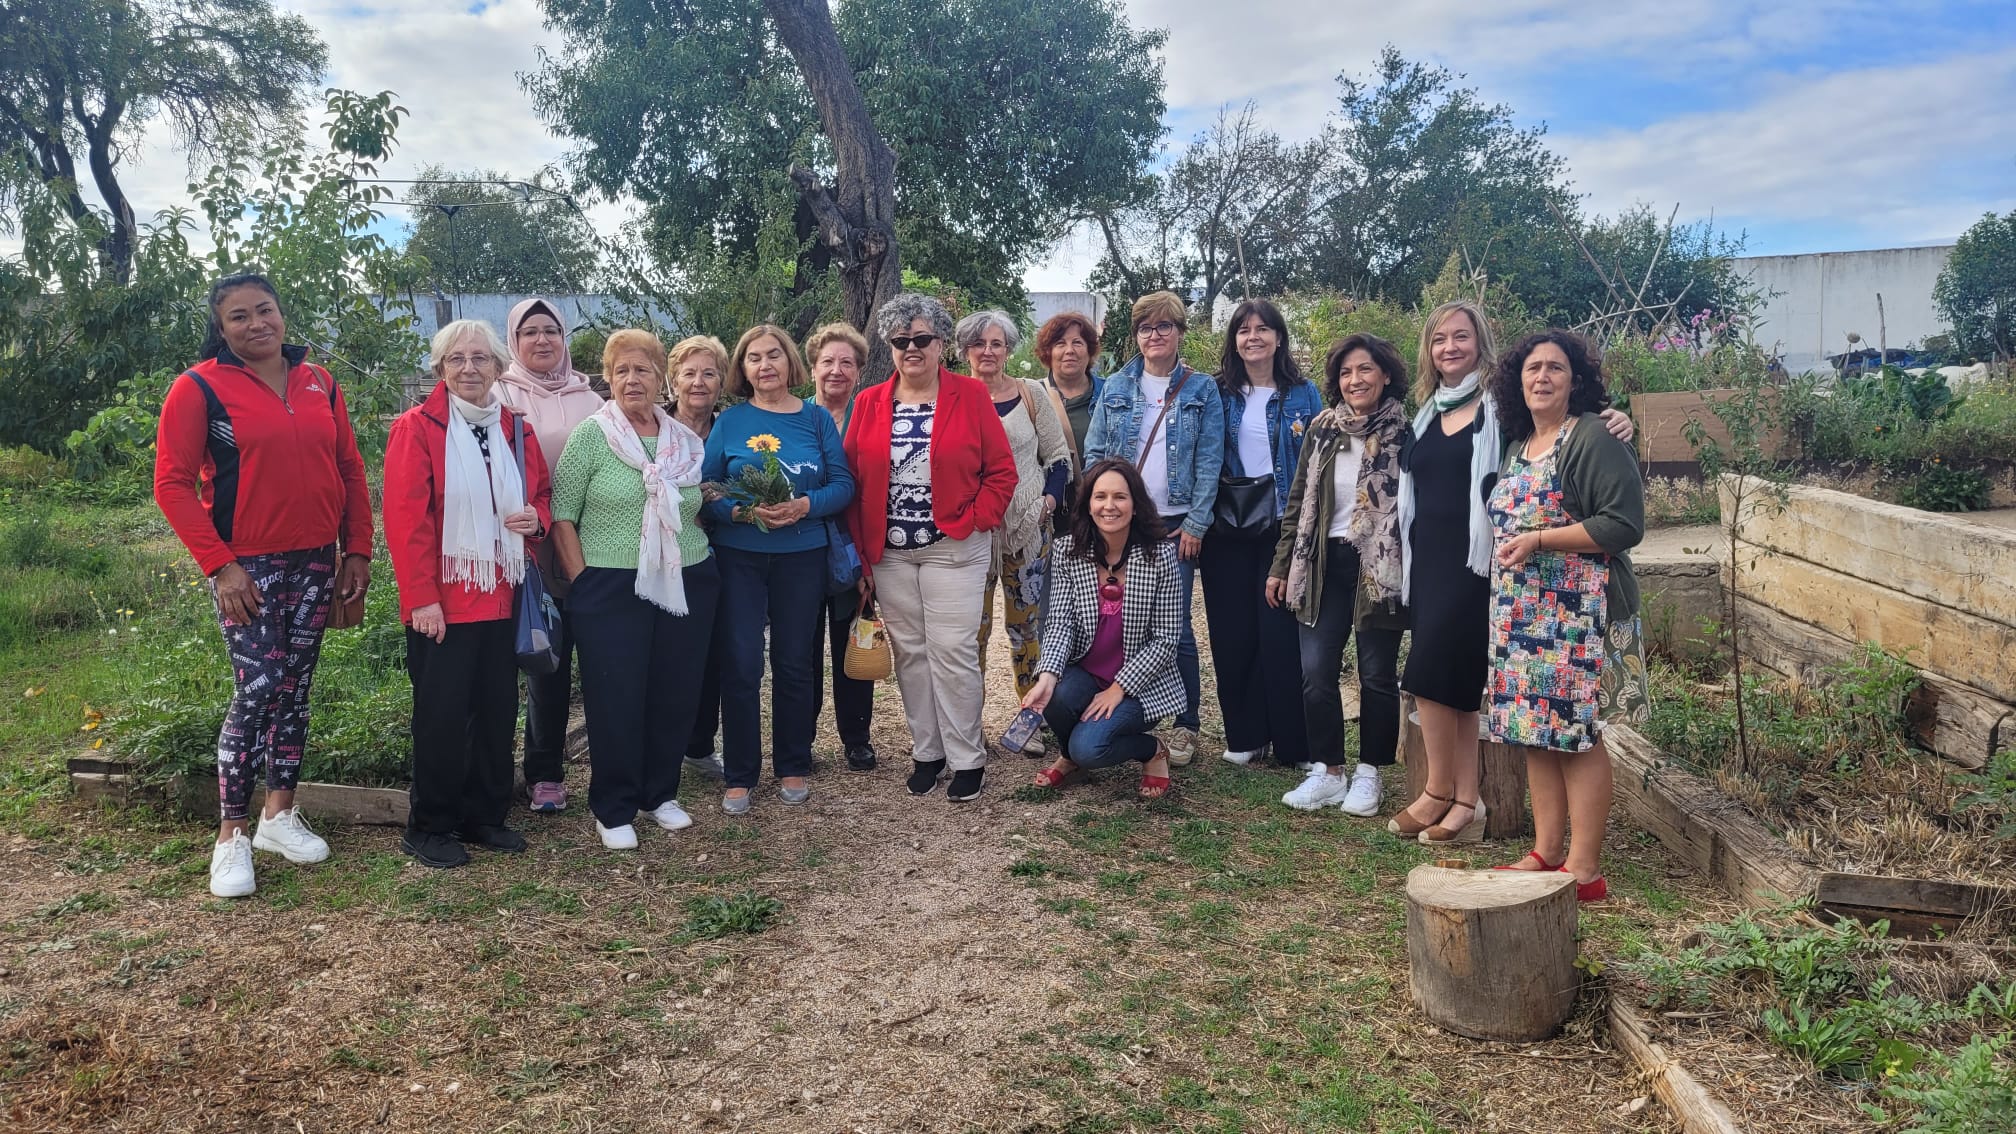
x: 1449, y: 603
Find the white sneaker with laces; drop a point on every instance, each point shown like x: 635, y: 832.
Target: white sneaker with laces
x: 1319, y: 789
x: 670, y: 816
x: 1243, y: 758
x: 231, y: 868
x: 1182, y: 744
x: 286, y: 834
x: 1363, y: 798
x: 617, y: 838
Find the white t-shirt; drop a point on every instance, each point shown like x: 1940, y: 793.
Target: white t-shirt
x: 1255, y: 455
x: 1344, y: 487
x: 1154, y: 463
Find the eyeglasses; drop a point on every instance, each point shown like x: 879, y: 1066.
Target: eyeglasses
x: 1157, y: 330
x: 912, y: 342
x: 479, y: 361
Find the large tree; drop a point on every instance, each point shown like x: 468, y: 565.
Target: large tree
x: 81, y: 78
x: 482, y: 231
x: 997, y: 119
x: 1976, y: 290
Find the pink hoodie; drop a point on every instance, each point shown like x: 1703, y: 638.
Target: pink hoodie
x: 553, y: 402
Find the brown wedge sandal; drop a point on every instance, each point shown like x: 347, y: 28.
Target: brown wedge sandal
x: 1407, y: 827
x: 1471, y: 832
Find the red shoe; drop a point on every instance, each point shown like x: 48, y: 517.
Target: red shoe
x: 1594, y: 890
x: 1535, y: 856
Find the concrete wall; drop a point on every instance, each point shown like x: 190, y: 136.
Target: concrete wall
x: 1824, y: 295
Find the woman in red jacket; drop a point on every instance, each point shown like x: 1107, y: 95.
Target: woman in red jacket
x: 933, y: 475
x: 461, y: 519
x: 257, y: 471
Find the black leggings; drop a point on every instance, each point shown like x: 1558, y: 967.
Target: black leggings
x: 272, y: 664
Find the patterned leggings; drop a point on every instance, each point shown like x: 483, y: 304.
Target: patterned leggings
x: 1022, y: 582
x: 273, y: 664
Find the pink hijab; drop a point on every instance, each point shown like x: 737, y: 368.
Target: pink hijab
x: 553, y: 401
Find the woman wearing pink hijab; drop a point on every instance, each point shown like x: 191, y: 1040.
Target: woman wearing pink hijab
x: 542, y: 384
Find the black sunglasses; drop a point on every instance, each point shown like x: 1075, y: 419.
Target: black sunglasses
x: 912, y: 342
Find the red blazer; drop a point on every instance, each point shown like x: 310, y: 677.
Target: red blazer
x: 414, y: 456
x: 972, y: 468
x: 241, y: 471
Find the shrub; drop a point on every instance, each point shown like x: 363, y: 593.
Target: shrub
x: 1943, y: 488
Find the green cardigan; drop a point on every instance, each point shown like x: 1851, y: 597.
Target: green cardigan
x: 1601, y: 488
x: 604, y: 499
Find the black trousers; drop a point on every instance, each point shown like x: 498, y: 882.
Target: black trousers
x: 465, y: 707
x: 640, y: 684
x: 1323, y: 663
x: 548, y: 698
x: 707, y: 711
x: 1256, y: 649
x: 853, y: 701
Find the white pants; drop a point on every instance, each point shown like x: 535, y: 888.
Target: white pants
x: 930, y: 599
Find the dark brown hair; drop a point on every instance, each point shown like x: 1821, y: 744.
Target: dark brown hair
x: 1384, y: 355
x: 1232, y: 368
x: 213, y: 334
x: 1146, y: 530
x: 1586, y: 392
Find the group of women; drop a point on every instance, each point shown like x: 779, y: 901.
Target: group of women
x: 1492, y: 527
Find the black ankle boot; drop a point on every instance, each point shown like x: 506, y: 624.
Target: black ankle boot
x: 965, y: 784
x: 924, y: 776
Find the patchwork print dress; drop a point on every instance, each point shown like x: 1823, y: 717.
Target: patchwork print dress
x: 1557, y: 663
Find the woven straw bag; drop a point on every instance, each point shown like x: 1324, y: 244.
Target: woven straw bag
x: 868, y: 655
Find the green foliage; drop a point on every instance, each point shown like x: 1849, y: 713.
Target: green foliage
x: 1976, y: 290
x: 503, y: 240
x: 1943, y: 488
x: 1637, y: 365
x: 743, y: 913
x: 1972, y: 1091
x: 1992, y: 792
x: 56, y: 575
x: 1319, y: 320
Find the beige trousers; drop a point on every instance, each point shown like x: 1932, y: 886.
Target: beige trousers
x: 930, y: 599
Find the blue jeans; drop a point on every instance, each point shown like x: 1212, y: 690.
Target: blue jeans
x: 1117, y: 739
x: 786, y: 590
x: 1186, y: 646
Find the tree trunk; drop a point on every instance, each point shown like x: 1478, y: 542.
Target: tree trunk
x: 857, y: 215
x: 1491, y: 954
x: 116, y: 249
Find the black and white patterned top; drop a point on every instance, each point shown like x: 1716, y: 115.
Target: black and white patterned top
x: 910, y: 522
x: 1151, y: 622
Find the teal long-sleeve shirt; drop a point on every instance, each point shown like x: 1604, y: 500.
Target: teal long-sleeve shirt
x: 812, y: 458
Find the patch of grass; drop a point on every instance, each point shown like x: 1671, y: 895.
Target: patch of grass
x: 90, y: 901
x: 744, y: 913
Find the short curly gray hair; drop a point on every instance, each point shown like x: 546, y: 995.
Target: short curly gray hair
x: 906, y: 308
x: 977, y: 324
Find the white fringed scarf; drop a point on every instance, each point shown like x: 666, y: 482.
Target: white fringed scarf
x: 660, y: 573
x: 476, y: 547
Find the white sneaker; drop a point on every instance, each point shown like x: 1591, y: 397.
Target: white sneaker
x: 1318, y: 789
x: 669, y: 815
x: 287, y: 835
x: 1182, y: 744
x: 231, y: 868
x: 618, y: 838
x: 1243, y: 758
x: 1363, y: 798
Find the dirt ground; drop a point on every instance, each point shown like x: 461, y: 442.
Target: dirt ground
x: 1022, y: 963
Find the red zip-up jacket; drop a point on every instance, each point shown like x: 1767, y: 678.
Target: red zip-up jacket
x: 240, y: 470
x: 972, y: 467
x: 415, y: 456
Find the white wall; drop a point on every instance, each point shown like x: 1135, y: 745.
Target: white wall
x: 1824, y: 295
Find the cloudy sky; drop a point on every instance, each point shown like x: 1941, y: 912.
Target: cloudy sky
x: 1810, y: 125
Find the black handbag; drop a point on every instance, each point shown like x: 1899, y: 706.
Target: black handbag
x: 1245, y: 507
x: 535, y: 631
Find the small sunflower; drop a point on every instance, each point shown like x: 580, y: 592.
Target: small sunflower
x: 765, y: 443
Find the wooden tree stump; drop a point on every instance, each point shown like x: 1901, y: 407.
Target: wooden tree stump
x: 1491, y: 953
x: 1503, y: 787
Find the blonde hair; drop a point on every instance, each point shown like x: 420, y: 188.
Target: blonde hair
x: 1426, y: 377
x: 451, y: 333
x: 694, y: 344
x: 794, y: 363
x: 629, y: 339
x: 831, y: 333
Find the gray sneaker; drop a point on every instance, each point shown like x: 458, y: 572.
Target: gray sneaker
x: 706, y: 767
x: 736, y: 804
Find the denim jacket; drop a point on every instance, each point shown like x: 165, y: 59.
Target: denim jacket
x: 1287, y: 416
x: 1195, y: 452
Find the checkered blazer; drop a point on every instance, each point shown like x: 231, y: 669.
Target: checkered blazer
x: 1151, y: 620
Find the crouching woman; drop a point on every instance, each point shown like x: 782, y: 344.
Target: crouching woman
x: 1108, y: 670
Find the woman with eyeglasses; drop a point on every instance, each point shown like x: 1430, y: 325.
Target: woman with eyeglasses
x: 1169, y: 420
x: 934, y: 474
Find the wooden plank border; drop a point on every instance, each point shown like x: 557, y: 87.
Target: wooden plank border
x: 1697, y: 1108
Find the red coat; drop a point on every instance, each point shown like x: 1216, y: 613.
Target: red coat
x: 414, y: 456
x: 240, y: 470
x: 972, y: 468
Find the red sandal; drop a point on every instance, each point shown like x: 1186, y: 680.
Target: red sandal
x: 1535, y: 856
x: 1054, y: 776
x: 1594, y: 890
x: 1155, y: 787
